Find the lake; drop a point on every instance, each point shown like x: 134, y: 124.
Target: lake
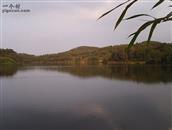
x: 119, y: 97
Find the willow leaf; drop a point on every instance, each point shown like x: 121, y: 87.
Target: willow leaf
x: 144, y: 26
x: 158, y: 3
x: 139, y: 15
x: 123, y: 13
x: 131, y: 34
x: 152, y: 29
x: 169, y: 15
x: 113, y: 9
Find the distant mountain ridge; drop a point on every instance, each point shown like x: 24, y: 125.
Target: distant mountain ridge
x: 140, y: 53
x: 84, y: 48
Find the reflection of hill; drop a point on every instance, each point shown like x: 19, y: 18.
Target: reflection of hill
x: 138, y: 73
x: 7, y: 70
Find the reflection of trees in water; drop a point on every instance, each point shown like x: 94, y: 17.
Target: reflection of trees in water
x: 8, y: 70
x: 138, y: 73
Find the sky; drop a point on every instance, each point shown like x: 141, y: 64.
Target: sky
x: 57, y: 26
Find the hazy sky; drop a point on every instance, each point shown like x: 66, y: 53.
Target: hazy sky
x: 53, y: 27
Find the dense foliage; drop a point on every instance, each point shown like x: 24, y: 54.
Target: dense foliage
x: 140, y: 53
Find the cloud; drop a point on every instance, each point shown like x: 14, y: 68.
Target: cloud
x: 56, y: 27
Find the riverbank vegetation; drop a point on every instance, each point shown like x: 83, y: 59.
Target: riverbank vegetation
x: 140, y: 53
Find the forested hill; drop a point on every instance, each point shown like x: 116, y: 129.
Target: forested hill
x: 152, y: 53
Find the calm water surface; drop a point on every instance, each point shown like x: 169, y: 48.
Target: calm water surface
x: 86, y: 98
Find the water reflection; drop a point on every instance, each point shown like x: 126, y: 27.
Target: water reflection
x: 8, y: 70
x: 53, y: 98
x: 137, y: 73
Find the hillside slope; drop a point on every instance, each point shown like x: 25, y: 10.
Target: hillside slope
x: 152, y: 53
